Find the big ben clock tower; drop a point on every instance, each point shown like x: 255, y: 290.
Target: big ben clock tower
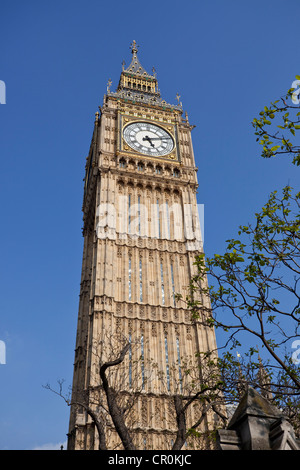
x: 141, y: 234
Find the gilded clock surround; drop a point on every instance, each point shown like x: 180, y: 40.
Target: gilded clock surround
x: 169, y: 128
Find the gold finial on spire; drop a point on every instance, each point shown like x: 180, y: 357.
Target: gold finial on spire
x: 109, y: 83
x: 178, y: 98
x: 134, y: 47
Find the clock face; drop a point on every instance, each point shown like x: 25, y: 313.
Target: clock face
x: 149, y: 139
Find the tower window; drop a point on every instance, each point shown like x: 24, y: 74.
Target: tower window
x: 141, y: 282
x: 129, y: 213
x: 162, y: 283
x: 168, y: 219
x: 173, y: 285
x: 167, y: 363
x: 158, y: 218
x: 140, y: 166
x: 122, y: 163
x: 179, y: 364
x: 129, y: 279
x: 130, y: 363
x: 176, y: 173
x: 142, y: 359
x: 139, y: 213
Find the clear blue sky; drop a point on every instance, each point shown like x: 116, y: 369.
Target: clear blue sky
x: 226, y: 60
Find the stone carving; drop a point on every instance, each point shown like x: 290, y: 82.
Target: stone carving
x: 257, y: 425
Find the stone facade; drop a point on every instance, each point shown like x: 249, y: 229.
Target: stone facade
x: 257, y: 425
x: 141, y: 234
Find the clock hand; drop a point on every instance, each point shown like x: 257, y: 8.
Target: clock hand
x: 158, y: 138
x: 149, y: 140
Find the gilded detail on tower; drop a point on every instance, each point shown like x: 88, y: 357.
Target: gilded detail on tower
x: 151, y: 138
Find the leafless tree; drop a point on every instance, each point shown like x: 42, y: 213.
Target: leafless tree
x: 110, y: 403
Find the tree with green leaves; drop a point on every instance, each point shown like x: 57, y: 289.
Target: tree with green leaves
x: 254, y: 287
x: 277, y: 125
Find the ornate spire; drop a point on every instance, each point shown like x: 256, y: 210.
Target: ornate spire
x: 135, y: 66
x: 137, y: 85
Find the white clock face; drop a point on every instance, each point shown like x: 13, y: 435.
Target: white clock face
x: 149, y: 139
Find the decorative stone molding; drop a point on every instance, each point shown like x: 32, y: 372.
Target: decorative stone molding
x: 257, y: 425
